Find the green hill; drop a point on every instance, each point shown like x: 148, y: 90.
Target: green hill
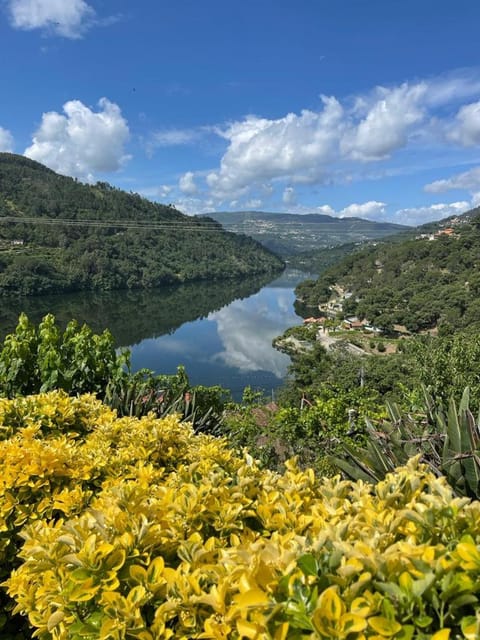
x: 58, y: 234
x: 429, y: 280
x: 289, y: 234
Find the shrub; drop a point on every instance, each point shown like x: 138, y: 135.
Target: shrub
x: 175, y: 536
x: 37, y: 359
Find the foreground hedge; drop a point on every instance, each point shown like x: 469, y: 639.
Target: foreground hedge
x: 140, y: 529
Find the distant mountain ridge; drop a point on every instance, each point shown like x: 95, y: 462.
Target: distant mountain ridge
x: 291, y: 234
x: 58, y: 234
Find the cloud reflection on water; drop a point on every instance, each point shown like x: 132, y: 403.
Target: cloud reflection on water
x: 246, y: 329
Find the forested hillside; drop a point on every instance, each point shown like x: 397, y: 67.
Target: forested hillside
x: 290, y: 234
x: 58, y: 234
x: 423, y: 282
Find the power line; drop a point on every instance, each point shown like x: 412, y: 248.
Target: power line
x: 160, y: 226
x: 200, y: 226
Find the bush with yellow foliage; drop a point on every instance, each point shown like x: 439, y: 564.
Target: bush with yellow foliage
x: 124, y: 528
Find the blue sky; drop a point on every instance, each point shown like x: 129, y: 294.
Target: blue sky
x: 346, y: 107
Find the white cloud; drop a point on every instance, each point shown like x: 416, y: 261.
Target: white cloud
x: 164, y: 190
x: 174, y: 137
x: 261, y: 149
x: 378, y: 211
x: 466, y: 129
x: 371, y: 210
x: 289, y: 197
x: 6, y: 140
x: 386, y: 124
x: 476, y: 199
x: 326, y: 146
x: 81, y: 142
x: 246, y: 331
x: 469, y: 180
x: 253, y: 203
x: 193, y: 206
x: 421, y: 215
x: 67, y: 18
x: 187, y: 184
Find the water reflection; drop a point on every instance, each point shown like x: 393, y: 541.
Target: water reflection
x: 232, y: 347
x: 131, y: 316
x: 221, y: 332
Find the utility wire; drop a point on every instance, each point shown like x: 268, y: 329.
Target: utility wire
x: 138, y: 224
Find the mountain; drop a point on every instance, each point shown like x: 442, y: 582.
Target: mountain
x: 290, y: 234
x: 58, y: 234
x: 430, y: 280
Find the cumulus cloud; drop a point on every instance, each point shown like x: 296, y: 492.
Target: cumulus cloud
x: 66, y: 18
x: 326, y: 209
x: 466, y: 129
x: 469, y: 180
x: 333, y: 143
x: 6, y: 140
x: 305, y: 148
x: 371, y: 210
x: 81, y: 142
x: 387, y: 122
x: 187, y: 184
x: 262, y: 149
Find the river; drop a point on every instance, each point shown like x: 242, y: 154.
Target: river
x: 221, y: 332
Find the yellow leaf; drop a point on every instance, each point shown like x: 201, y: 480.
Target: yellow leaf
x: 83, y: 591
x: 470, y: 628
x: 136, y: 595
x: 384, y: 626
x: 361, y: 607
x: 470, y: 555
x: 330, y: 605
x: 352, y: 623
x: 54, y: 619
x: 405, y: 581
x: 248, y: 629
x: 252, y: 598
x: 443, y: 634
x: 138, y: 574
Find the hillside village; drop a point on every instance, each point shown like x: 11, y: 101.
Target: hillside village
x: 335, y: 324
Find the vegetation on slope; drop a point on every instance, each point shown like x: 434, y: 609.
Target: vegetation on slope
x: 291, y: 234
x: 419, y: 283
x: 59, y: 235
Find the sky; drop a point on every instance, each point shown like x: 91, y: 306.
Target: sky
x: 367, y: 108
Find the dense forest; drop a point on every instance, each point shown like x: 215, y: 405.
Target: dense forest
x: 58, y: 235
x: 421, y: 283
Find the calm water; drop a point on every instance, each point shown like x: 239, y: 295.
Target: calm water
x: 221, y: 332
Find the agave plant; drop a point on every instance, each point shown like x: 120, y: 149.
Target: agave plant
x: 449, y: 443
x: 141, y: 393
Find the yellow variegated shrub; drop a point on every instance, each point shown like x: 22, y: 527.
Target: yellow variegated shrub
x: 140, y: 529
